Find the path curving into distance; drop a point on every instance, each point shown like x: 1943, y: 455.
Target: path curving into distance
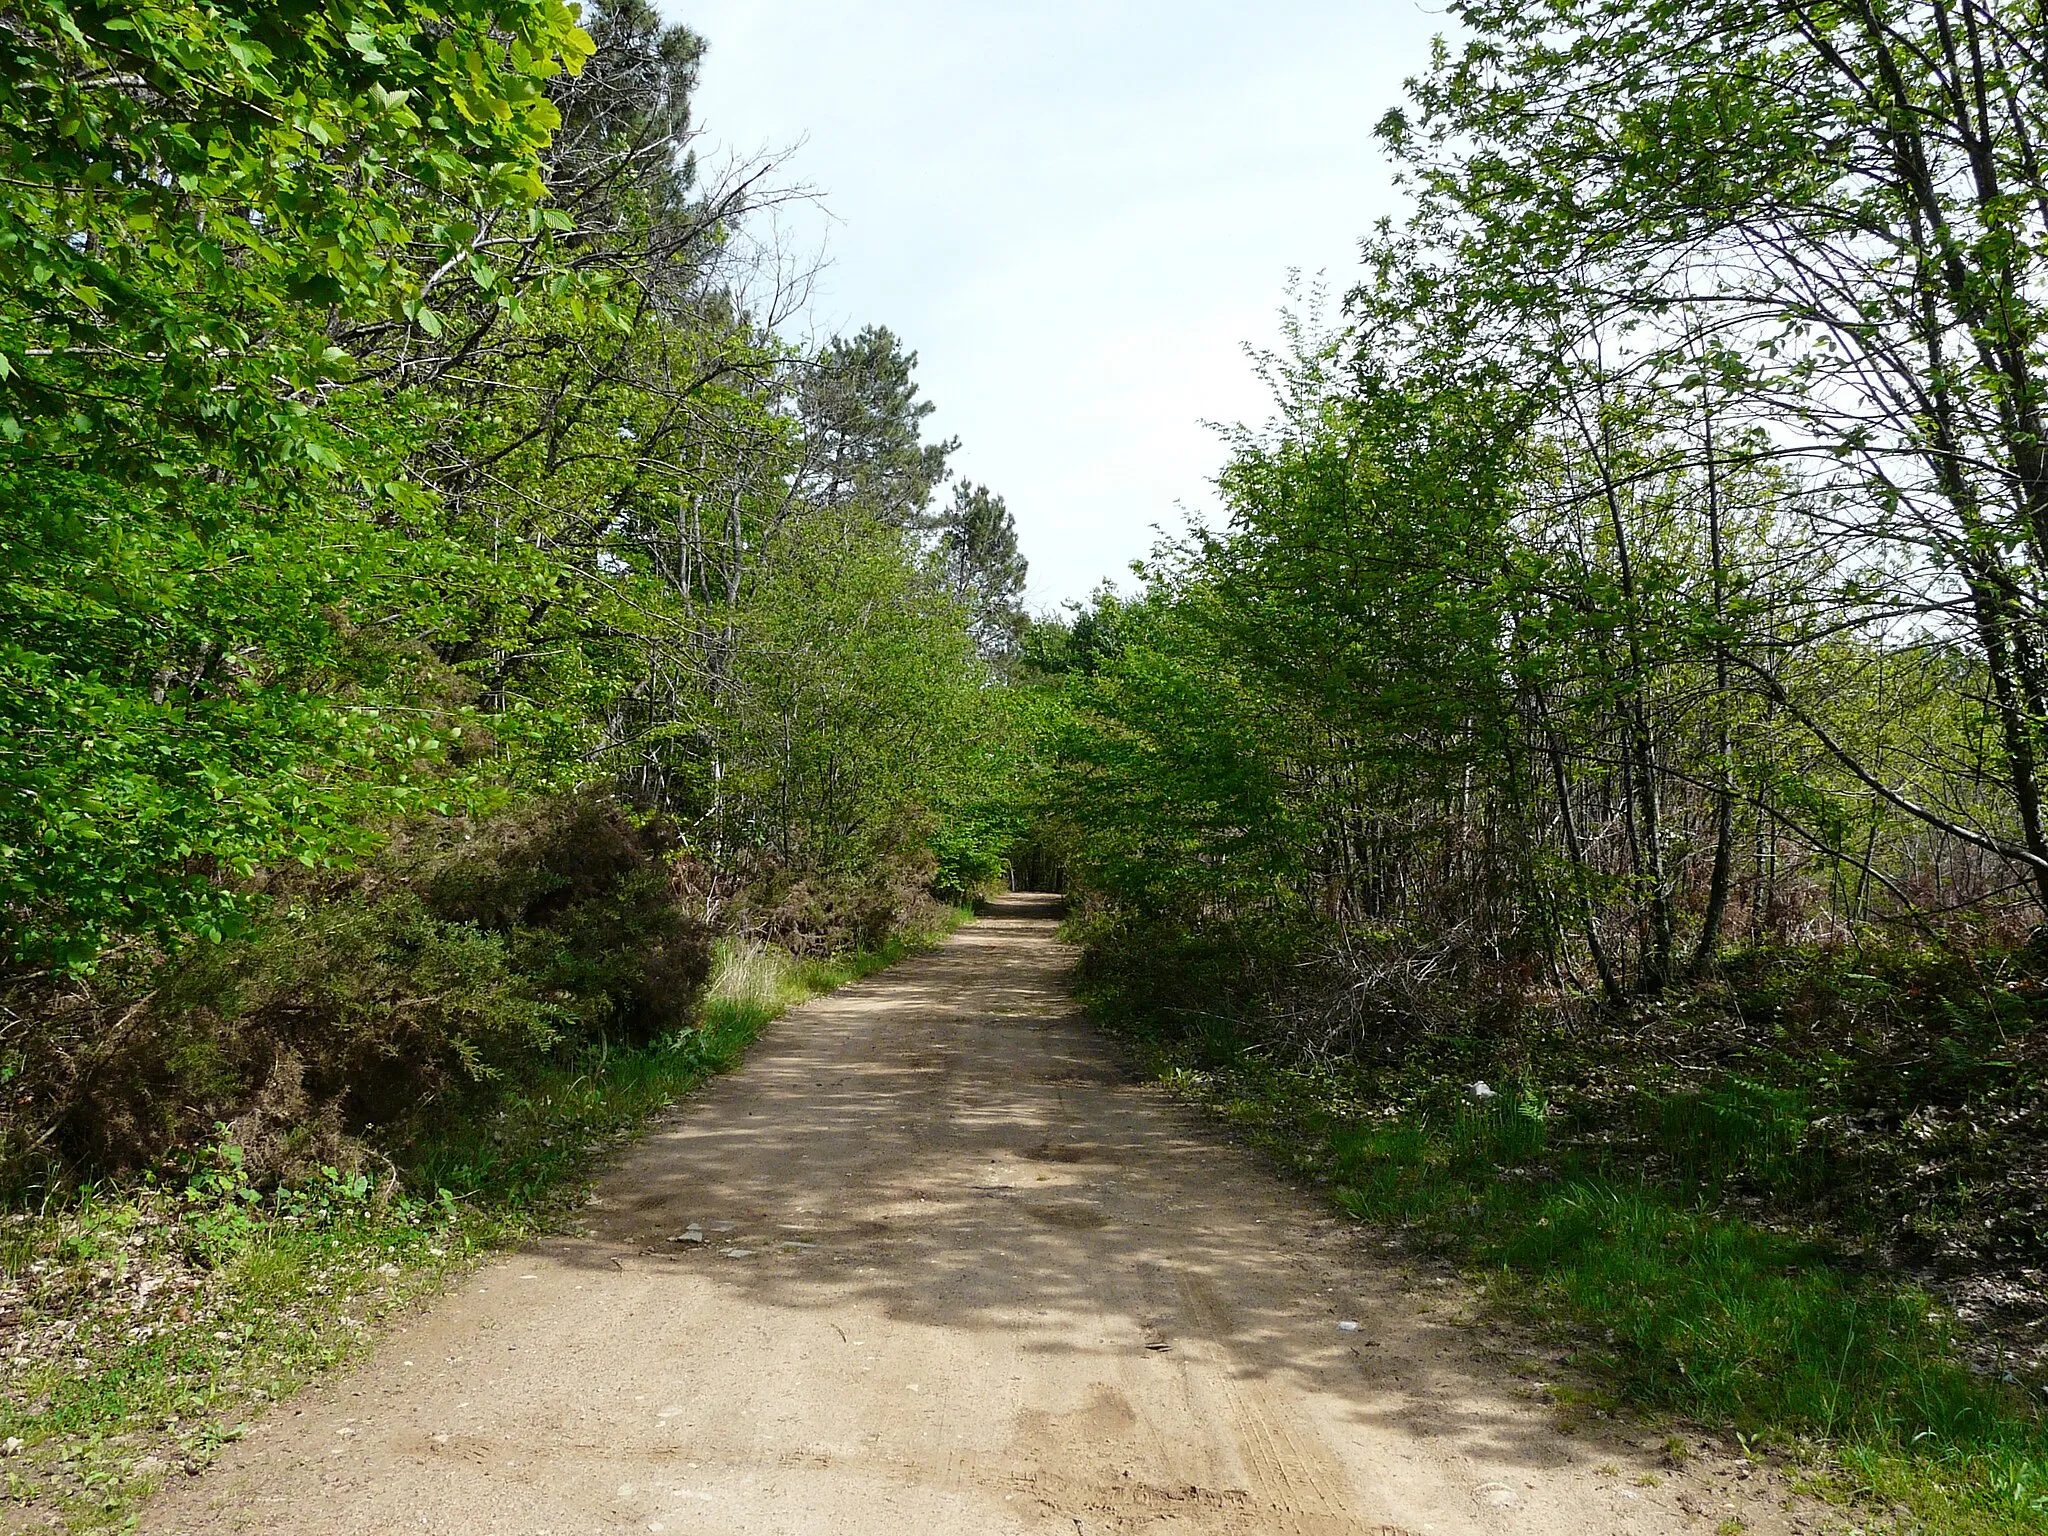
x: 959, y: 1272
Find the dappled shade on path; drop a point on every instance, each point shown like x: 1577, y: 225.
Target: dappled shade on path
x: 935, y: 1261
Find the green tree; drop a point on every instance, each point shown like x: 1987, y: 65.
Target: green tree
x: 864, y: 424
x: 1847, y: 206
x: 977, y: 541
x: 196, y: 204
x: 862, y: 703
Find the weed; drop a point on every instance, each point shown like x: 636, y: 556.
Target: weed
x: 1734, y: 1128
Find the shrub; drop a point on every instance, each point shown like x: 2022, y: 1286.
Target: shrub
x: 814, y: 912
x: 467, y: 954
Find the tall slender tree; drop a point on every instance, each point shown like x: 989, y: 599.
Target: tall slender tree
x: 864, y: 422
x: 978, y: 541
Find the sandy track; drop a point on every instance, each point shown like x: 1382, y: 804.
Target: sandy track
x: 959, y: 1274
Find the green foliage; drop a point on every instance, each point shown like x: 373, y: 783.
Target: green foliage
x: 193, y: 190
x: 1168, y: 784
x: 364, y: 379
x: 198, y: 201
x: 170, y: 715
x: 866, y: 710
x: 1888, y: 349
x: 864, y: 423
x: 433, y: 607
x: 973, y: 853
x: 977, y: 541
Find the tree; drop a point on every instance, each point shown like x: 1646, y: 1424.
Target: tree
x: 864, y: 420
x: 191, y: 191
x: 859, y: 713
x: 978, y: 543
x: 1848, y: 205
x: 196, y: 204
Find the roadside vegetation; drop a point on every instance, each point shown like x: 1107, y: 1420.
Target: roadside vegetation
x: 1582, y: 799
x: 1693, y: 1237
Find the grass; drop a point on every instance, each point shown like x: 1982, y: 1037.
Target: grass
x: 1677, y: 1305
x: 143, y: 1326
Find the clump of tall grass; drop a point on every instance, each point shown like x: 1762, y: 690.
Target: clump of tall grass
x: 750, y: 978
x: 756, y: 981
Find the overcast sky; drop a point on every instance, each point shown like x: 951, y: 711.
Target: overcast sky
x: 1076, y: 212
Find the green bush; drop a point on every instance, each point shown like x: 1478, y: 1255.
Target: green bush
x: 973, y: 855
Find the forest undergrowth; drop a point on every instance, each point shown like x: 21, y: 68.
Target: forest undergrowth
x: 1798, y: 1206
x: 150, y: 1319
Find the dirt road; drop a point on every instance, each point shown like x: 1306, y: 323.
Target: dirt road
x: 932, y: 1262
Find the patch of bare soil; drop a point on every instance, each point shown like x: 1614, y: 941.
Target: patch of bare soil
x: 932, y: 1263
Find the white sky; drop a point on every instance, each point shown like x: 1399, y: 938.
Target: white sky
x: 1075, y: 212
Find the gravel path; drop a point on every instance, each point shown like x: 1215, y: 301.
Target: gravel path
x: 933, y: 1262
